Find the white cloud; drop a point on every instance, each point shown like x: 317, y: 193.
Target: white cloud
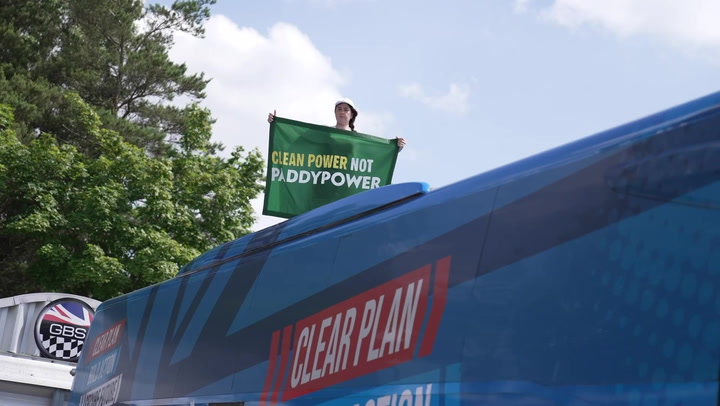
x: 687, y: 22
x: 375, y: 124
x: 253, y: 74
x: 454, y: 101
x: 330, y: 3
x: 521, y: 5
x: 327, y: 3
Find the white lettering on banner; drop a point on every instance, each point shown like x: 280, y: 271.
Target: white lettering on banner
x: 421, y: 397
x: 373, y: 330
x: 337, y: 354
x: 361, y: 164
x: 104, y: 395
x: 317, y: 355
x: 337, y: 179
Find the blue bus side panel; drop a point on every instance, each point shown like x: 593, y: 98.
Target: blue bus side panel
x: 583, y: 281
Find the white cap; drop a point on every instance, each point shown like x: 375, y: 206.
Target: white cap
x: 346, y: 101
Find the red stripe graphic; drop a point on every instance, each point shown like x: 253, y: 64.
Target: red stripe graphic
x: 442, y: 275
x: 50, y: 317
x: 374, y: 330
x: 274, y: 345
x: 284, y: 356
x: 106, y: 340
x: 60, y: 310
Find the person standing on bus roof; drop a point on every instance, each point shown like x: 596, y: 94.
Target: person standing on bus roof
x: 345, y: 114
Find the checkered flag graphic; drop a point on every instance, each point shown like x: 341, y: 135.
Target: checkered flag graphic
x: 62, y: 348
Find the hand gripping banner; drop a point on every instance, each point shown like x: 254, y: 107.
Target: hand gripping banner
x: 311, y: 165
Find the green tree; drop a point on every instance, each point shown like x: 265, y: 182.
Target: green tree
x: 105, y: 186
x: 113, y: 53
x: 30, y: 33
x: 116, y: 220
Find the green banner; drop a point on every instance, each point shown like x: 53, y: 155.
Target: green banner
x: 311, y: 165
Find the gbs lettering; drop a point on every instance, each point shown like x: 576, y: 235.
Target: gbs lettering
x: 68, y: 331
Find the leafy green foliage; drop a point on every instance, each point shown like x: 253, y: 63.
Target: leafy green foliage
x: 105, y: 187
x: 113, y: 53
x: 30, y: 32
x: 120, y: 220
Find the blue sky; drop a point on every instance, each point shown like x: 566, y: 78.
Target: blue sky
x: 470, y: 84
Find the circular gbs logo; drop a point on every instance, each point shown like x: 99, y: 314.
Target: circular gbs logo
x: 61, y: 329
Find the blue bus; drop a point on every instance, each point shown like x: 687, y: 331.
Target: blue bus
x: 585, y: 275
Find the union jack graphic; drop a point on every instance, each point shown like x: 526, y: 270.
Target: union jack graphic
x: 62, y: 329
x: 67, y: 312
